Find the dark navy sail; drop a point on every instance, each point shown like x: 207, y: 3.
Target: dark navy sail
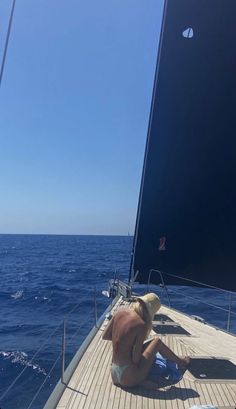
x: 186, y: 223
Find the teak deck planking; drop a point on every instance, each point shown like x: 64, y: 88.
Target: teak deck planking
x: 91, y: 386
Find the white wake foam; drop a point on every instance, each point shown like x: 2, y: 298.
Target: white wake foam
x: 20, y: 357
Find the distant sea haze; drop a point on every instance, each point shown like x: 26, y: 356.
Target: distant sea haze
x: 44, y: 277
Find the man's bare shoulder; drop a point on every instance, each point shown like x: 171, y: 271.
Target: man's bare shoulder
x: 123, y: 312
x: 126, y: 311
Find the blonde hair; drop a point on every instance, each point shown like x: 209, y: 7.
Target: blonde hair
x: 141, y: 309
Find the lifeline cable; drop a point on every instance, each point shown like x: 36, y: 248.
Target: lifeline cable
x: 37, y: 352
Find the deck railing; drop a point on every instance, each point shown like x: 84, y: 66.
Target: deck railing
x: 230, y: 294
x: 61, y: 328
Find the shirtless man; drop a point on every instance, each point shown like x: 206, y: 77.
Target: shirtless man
x: 127, y: 330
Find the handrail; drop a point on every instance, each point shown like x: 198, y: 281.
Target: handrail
x: 203, y: 302
x: 163, y: 284
x: 31, y: 360
x: 43, y: 383
x: 62, y: 352
x: 95, y: 307
x: 187, y: 279
x: 229, y: 310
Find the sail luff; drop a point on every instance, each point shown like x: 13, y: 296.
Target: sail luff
x: 132, y: 272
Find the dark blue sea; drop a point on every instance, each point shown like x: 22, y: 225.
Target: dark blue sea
x: 45, y: 278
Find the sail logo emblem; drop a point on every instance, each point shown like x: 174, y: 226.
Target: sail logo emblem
x: 188, y: 33
x: 162, y: 244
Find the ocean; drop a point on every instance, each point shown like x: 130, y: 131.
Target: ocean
x: 46, y: 278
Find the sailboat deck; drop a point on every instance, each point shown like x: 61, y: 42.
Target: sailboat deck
x: 91, y: 385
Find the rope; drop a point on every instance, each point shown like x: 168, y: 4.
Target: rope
x: 7, y: 41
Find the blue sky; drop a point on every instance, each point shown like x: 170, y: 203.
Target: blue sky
x: 74, y: 108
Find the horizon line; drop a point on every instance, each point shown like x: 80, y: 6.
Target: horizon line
x: 65, y: 234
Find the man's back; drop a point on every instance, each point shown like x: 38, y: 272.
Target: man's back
x: 127, y: 326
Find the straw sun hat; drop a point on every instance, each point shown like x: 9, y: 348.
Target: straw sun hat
x: 152, y: 303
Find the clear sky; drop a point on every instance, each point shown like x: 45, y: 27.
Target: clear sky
x: 74, y: 108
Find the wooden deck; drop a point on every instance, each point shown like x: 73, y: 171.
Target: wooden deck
x: 91, y: 386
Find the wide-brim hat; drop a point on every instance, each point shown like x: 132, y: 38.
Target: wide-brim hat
x: 152, y: 303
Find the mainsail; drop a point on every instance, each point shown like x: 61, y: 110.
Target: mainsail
x: 186, y: 222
